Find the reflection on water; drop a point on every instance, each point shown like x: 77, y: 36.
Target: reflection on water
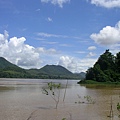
x: 23, y: 98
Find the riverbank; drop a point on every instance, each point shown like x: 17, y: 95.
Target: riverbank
x: 98, y: 83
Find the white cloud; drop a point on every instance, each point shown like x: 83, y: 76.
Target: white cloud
x: 48, y: 35
x: 42, y: 34
x: 56, y: 2
x: 92, y: 48
x: 16, y: 51
x: 108, y: 35
x: 37, y: 10
x: 75, y: 64
x: 65, y: 45
x: 50, y: 43
x: 42, y: 50
x: 81, y: 52
x: 49, y: 19
x: 91, y: 54
x: 115, y: 49
x: 106, y: 3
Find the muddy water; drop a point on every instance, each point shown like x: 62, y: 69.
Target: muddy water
x: 24, y: 100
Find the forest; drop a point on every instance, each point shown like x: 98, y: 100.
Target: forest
x: 106, y: 69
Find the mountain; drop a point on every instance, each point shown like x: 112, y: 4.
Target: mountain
x: 9, y: 70
x: 4, y: 63
x: 54, y: 72
x: 81, y: 75
x: 55, y: 69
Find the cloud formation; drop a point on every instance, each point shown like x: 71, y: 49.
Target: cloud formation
x: 49, y: 19
x: 92, y: 48
x: 91, y: 54
x: 56, y: 2
x: 76, y: 65
x: 106, y: 3
x: 108, y: 35
x: 16, y: 51
x: 42, y: 34
x: 49, y: 35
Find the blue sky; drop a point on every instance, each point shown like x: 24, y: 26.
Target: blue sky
x: 71, y: 33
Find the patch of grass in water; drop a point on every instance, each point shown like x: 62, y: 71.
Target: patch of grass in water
x: 99, y: 85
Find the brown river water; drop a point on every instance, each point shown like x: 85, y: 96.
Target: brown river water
x: 22, y: 99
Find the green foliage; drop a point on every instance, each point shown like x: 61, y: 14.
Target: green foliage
x: 53, y: 90
x: 107, y: 68
x: 118, y: 106
x: 87, y: 82
x: 64, y: 119
x: 118, y: 62
x: 86, y: 100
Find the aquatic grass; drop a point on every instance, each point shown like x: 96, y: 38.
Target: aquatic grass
x: 85, y: 100
x: 87, y: 82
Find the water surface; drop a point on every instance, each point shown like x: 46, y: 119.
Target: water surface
x: 22, y: 99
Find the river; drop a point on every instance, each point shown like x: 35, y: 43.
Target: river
x: 23, y: 99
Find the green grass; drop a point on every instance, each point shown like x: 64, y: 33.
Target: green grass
x: 98, y: 83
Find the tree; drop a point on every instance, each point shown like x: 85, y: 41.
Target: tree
x: 107, y: 68
x: 90, y: 75
x: 106, y: 61
x: 117, y: 61
x: 53, y: 90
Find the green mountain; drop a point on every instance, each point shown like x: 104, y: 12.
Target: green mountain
x: 54, y: 72
x: 5, y: 64
x: 9, y: 70
x: 55, y: 69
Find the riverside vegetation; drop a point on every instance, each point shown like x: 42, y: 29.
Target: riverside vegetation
x: 106, y: 70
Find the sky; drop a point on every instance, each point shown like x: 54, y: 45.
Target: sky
x: 70, y: 33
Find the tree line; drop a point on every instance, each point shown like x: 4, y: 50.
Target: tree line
x: 106, y: 69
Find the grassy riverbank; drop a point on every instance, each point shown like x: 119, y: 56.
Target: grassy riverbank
x: 98, y: 83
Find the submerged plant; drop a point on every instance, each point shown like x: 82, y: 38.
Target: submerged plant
x: 111, y: 109
x: 86, y: 99
x: 118, y: 106
x: 64, y: 119
x: 89, y: 99
x: 53, y: 90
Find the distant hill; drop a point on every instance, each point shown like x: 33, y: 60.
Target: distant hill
x: 9, y: 70
x: 54, y: 72
x: 4, y: 63
x: 81, y: 75
x: 55, y: 69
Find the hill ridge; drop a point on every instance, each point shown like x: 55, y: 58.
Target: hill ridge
x: 9, y: 70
